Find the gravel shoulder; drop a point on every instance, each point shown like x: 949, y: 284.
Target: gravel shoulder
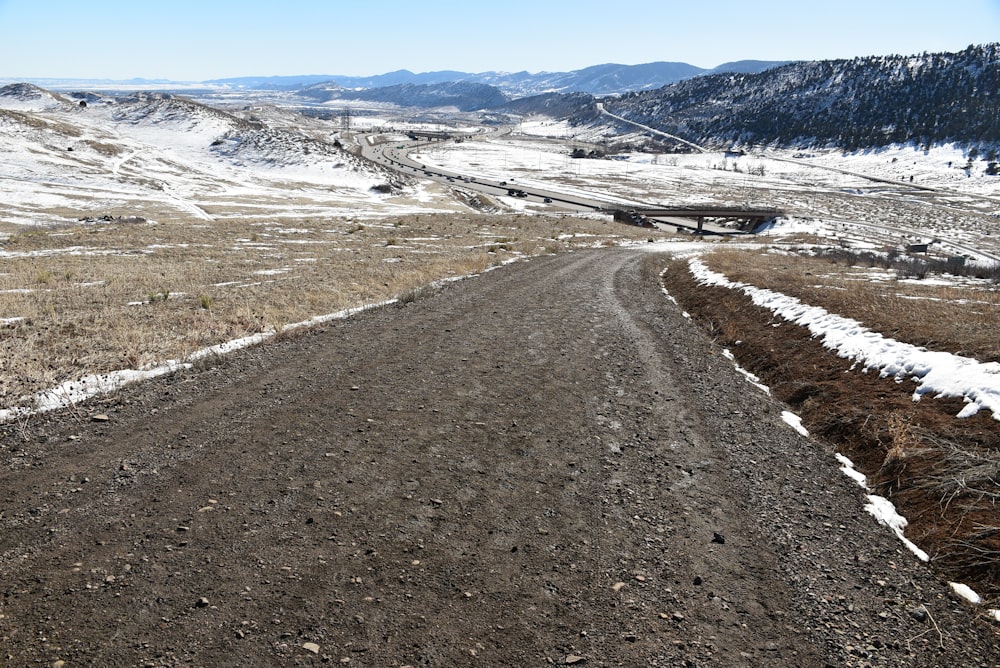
x: 544, y: 464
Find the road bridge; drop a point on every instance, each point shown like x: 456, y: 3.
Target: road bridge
x: 434, y: 135
x: 703, y: 219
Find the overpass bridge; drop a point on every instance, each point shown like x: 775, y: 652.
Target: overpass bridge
x: 702, y: 219
x: 437, y: 135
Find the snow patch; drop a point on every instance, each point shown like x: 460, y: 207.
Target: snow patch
x: 847, y: 468
x: 794, y: 421
x: 885, y: 512
x: 75, y: 391
x: 752, y: 378
x: 966, y: 592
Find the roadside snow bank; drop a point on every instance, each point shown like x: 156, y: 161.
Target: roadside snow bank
x: 881, y: 508
x: 885, y: 512
x: 938, y: 373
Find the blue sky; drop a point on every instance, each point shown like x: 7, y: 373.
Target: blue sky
x: 193, y: 40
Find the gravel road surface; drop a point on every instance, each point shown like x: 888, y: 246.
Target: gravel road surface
x: 547, y: 464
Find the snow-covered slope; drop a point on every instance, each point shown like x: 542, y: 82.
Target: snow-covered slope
x: 153, y: 154
x: 927, y: 100
x: 28, y: 97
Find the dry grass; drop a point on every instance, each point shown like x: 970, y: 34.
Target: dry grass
x: 92, y: 298
x: 955, y: 319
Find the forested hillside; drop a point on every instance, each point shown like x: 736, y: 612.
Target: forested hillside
x: 929, y: 99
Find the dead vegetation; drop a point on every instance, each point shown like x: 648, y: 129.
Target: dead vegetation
x: 962, y: 320
x: 943, y: 473
x: 111, y: 294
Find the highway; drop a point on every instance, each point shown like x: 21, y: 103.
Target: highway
x: 395, y: 155
x: 601, y: 109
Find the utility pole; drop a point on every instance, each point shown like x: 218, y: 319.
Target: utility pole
x: 345, y: 122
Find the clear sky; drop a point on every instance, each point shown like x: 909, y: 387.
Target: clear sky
x: 194, y: 40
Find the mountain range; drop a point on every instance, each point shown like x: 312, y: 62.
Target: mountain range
x: 927, y: 99
x: 606, y: 79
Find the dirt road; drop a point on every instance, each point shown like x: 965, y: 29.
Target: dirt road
x: 547, y: 464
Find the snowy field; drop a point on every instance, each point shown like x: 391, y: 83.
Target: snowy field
x: 60, y: 162
x: 862, y: 200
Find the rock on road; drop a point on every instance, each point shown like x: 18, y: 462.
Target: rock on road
x: 546, y: 464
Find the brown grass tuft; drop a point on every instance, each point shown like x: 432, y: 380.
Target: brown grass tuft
x: 963, y: 320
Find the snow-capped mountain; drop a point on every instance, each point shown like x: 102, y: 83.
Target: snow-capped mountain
x: 605, y: 79
x: 460, y: 95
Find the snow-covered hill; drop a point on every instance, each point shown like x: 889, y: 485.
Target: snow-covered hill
x: 28, y: 97
x: 926, y: 99
x: 155, y: 155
